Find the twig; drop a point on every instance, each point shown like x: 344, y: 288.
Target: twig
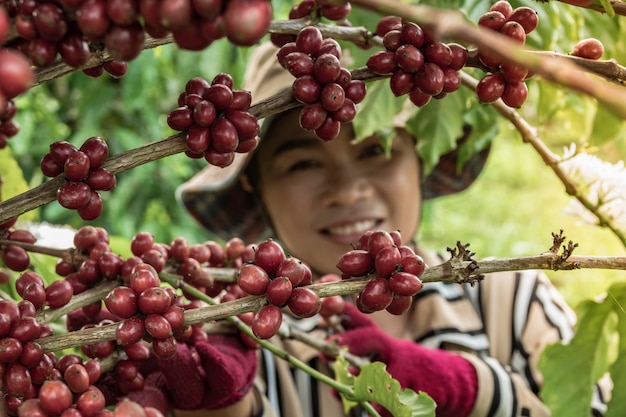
x: 65, y: 254
x: 59, y: 69
x: 48, y: 315
x: 610, y: 69
x: 619, y: 7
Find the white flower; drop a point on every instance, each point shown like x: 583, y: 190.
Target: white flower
x: 601, y: 182
x: 50, y: 235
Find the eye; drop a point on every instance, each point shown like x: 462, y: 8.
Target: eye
x: 375, y: 149
x: 303, y: 164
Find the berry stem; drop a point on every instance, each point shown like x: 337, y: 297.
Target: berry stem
x: 65, y: 254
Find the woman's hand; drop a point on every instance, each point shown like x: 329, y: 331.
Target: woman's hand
x: 448, y: 378
x: 210, y: 375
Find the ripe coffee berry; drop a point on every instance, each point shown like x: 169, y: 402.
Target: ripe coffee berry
x: 269, y: 254
x: 589, y: 48
x: 356, y: 263
x: 376, y: 295
x: 253, y: 279
x: 278, y: 291
x: 304, y: 302
x: 266, y: 321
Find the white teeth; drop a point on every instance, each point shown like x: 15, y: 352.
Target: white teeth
x: 352, y: 229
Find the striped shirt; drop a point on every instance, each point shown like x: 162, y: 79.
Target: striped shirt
x: 501, y: 325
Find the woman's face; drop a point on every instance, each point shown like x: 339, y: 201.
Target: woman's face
x: 321, y: 196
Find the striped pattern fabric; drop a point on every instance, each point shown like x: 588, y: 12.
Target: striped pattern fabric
x: 501, y: 325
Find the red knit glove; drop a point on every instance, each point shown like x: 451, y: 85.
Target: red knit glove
x: 448, y: 378
x: 153, y: 394
x: 219, y: 373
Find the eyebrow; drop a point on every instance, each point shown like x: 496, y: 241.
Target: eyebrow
x: 299, y: 143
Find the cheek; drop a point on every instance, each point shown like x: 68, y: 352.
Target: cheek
x: 285, y: 205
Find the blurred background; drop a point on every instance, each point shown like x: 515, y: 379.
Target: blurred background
x: 510, y: 211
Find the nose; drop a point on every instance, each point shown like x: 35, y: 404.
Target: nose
x: 346, y: 188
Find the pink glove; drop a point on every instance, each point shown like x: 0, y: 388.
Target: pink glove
x: 220, y: 374
x: 448, y: 378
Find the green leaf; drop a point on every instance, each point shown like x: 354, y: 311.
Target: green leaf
x: 564, y: 116
x: 422, y: 405
x: 437, y: 126
x: 342, y: 374
x: 12, y: 181
x: 617, y: 404
x: 377, y: 111
x: 484, y: 130
x: 606, y: 126
x: 570, y: 370
x: 376, y: 385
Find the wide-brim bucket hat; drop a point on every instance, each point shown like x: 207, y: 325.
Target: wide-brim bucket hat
x: 217, y: 199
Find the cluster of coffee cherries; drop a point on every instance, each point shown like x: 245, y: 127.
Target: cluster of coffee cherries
x: 505, y: 80
x: 15, y: 257
x: 23, y: 364
x: 8, y: 126
x: 216, y: 120
x: 147, y: 310
x: 69, y: 390
x: 148, y: 317
x: 283, y: 280
x: 39, y: 383
x: 313, y: 10
x: 92, y: 260
x: 16, y: 77
x: 31, y: 286
x: 66, y: 27
x: 419, y: 66
x: 326, y: 89
x: 397, y: 268
x: 47, y: 30
x: 82, y: 168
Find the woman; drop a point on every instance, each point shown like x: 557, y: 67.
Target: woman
x: 473, y: 349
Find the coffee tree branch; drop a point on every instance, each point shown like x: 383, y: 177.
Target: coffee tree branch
x: 529, y: 135
x: 453, y: 270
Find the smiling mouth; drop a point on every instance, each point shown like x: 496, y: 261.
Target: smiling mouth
x: 352, y: 229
